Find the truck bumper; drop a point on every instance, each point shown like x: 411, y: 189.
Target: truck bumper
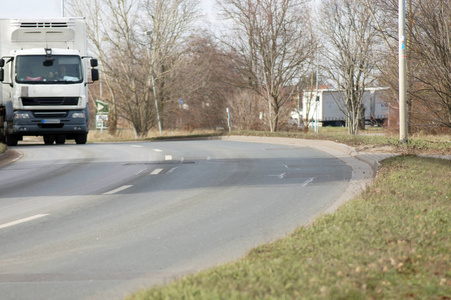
x: 26, y: 123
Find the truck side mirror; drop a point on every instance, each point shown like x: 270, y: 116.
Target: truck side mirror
x: 94, y: 63
x: 94, y: 74
x: 2, y: 75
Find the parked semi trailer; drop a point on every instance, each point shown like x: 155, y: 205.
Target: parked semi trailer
x: 44, y: 74
x: 327, y: 106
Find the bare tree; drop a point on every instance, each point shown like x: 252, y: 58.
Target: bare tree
x: 384, y: 15
x: 245, y: 109
x: 432, y: 39
x: 268, y: 42
x: 167, y: 24
x: 308, y: 85
x: 351, y: 46
x: 199, y: 95
x: 137, y: 42
x: 428, y: 59
x: 96, y: 19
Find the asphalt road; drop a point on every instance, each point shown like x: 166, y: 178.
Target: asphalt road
x: 99, y: 221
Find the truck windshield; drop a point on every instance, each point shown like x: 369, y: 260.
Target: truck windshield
x: 37, y: 69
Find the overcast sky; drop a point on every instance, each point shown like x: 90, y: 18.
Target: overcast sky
x: 44, y: 8
x: 30, y: 8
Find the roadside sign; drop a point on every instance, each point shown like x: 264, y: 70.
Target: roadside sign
x: 101, y: 121
x: 101, y: 106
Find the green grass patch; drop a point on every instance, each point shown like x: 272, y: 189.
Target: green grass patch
x: 2, y: 148
x: 392, y: 242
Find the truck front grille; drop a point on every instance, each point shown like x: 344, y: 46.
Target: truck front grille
x: 28, y: 101
x: 50, y: 114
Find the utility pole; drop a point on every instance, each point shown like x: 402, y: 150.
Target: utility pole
x: 62, y: 8
x: 402, y: 73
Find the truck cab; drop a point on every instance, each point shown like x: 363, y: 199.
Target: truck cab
x: 44, y: 90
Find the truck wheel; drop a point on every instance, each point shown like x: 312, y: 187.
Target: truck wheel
x: 49, y: 139
x: 60, y: 139
x: 11, y: 140
x: 81, y: 138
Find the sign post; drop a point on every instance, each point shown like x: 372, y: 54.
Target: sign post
x: 228, y: 119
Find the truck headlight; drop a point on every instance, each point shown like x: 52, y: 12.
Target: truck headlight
x: 21, y: 116
x: 79, y: 115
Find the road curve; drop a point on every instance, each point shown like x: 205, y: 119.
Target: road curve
x: 99, y: 221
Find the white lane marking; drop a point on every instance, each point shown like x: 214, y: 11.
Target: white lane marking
x: 156, y: 171
x: 281, y: 176
x: 141, y: 171
x: 136, y: 146
x: 23, y: 220
x: 157, y: 150
x: 171, y: 170
x: 124, y: 187
x: 168, y: 157
x: 308, y: 181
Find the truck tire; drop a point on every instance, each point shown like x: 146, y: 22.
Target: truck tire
x: 11, y: 140
x: 60, y: 139
x: 81, y: 138
x: 49, y: 139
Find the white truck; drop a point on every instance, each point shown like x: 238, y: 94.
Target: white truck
x: 44, y: 76
x: 327, y: 106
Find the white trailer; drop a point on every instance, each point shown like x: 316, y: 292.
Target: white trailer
x: 327, y: 107
x: 44, y: 75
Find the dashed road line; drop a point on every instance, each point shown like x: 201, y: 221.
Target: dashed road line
x: 168, y: 157
x: 156, y: 171
x: 23, y: 220
x: 124, y: 187
x: 171, y: 170
x: 308, y: 181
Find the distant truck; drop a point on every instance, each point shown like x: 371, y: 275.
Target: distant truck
x: 328, y: 107
x: 44, y: 76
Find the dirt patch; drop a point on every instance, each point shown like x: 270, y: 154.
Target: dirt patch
x: 8, y: 157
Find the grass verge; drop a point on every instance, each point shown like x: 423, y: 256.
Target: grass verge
x: 392, y: 242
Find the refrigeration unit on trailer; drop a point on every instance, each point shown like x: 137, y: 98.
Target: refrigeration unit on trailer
x: 44, y: 74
